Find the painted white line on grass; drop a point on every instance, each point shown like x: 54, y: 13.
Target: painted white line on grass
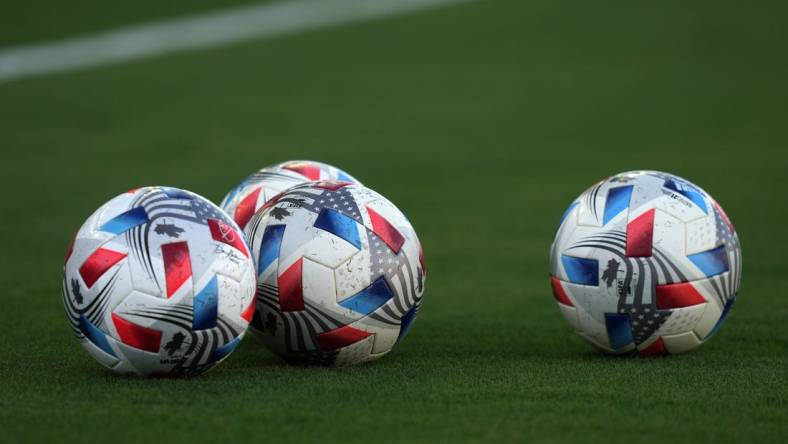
x: 197, y: 32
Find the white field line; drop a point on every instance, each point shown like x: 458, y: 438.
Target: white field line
x: 197, y: 32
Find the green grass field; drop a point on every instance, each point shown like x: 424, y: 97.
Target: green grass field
x: 481, y: 122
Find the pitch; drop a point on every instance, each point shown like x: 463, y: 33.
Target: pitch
x: 481, y: 122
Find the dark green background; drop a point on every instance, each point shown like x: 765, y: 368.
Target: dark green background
x: 482, y: 122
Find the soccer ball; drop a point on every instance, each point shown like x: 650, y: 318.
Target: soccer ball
x: 159, y: 282
x: 645, y: 261
x: 340, y: 274
x: 243, y: 201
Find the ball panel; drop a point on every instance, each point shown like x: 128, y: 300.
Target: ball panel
x: 682, y: 342
x: 353, y: 275
x: 384, y: 335
x: 591, y: 306
x: 233, y: 298
x: 570, y: 315
x: 319, y: 285
x: 701, y: 235
x: 356, y: 352
x: 668, y: 235
x: 103, y: 358
x: 589, y: 209
x: 682, y: 320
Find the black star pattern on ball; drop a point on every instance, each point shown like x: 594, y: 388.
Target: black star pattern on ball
x: 645, y: 320
x: 205, y: 211
x: 340, y: 200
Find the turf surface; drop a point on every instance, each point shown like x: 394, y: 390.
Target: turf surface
x: 482, y: 122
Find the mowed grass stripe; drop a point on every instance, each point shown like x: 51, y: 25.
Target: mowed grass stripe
x: 198, y: 32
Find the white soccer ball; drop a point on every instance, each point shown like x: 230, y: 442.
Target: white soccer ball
x: 645, y: 261
x: 159, y: 282
x: 340, y: 274
x: 243, y: 201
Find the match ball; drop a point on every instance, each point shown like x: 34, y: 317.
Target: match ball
x: 159, y: 282
x: 340, y: 274
x: 645, y: 261
x: 243, y: 201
